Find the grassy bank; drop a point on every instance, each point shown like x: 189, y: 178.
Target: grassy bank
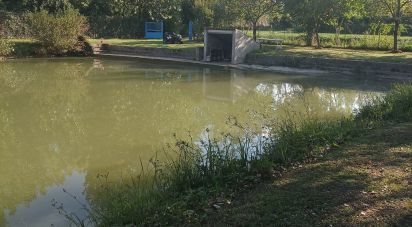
x: 207, y: 175
x: 29, y: 48
x: 149, y: 43
x: 347, y: 41
x: 341, y: 53
x: 366, y: 182
x: 367, y: 55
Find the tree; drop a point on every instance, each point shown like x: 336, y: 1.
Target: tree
x: 36, y: 5
x: 395, y: 9
x: 344, y: 11
x: 253, y: 10
x: 312, y: 14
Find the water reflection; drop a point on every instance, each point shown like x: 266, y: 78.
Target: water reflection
x: 40, y: 212
x: 64, y: 121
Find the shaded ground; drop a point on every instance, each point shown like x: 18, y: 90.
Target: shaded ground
x: 366, y: 182
x: 370, y: 55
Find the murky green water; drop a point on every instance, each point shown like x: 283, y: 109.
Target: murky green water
x: 64, y: 121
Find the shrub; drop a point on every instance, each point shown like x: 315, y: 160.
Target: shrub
x: 58, y: 33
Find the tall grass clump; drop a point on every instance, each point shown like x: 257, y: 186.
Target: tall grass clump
x: 178, y: 191
x: 175, y: 190
x: 395, y: 106
x: 295, y: 142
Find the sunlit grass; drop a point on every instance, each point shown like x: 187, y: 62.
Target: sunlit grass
x: 151, y: 43
x: 371, y: 55
x: 24, y: 40
x: 350, y: 41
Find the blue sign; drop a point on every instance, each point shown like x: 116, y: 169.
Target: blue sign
x: 190, y: 30
x: 154, y: 30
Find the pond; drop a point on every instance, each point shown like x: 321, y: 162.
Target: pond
x: 65, y: 121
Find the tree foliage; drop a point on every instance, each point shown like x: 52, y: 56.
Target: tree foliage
x: 395, y: 9
x: 251, y: 11
x: 125, y: 18
x: 313, y: 14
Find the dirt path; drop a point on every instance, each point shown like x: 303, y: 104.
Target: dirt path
x: 366, y: 182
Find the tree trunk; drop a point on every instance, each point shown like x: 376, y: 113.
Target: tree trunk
x: 397, y: 21
x: 254, y: 24
x: 317, y: 37
x: 337, y: 36
x: 318, y: 40
x: 395, y: 37
x: 338, y: 30
x: 309, y: 36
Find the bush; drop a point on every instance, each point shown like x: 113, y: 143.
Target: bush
x: 58, y: 33
x: 6, y: 48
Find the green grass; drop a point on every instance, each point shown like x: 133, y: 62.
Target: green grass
x: 150, y: 43
x: 368, y: 55
x: 363, y: 183
x: 348, y: 41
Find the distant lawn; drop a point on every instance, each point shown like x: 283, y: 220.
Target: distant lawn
x: 370, y: 55
x: 288, y: 34
x: 350, y: 41
x: 152, y: 43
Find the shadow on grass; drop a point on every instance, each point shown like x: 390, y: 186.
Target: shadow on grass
x: 367, y: 182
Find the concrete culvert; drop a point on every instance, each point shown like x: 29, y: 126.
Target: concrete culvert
x: 227, y: 46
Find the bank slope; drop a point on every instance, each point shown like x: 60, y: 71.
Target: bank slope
x: 366, y: 182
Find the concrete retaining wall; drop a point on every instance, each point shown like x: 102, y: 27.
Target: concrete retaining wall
x: 183, y: 53
x: 243, y: 46
x: 331, y: 64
